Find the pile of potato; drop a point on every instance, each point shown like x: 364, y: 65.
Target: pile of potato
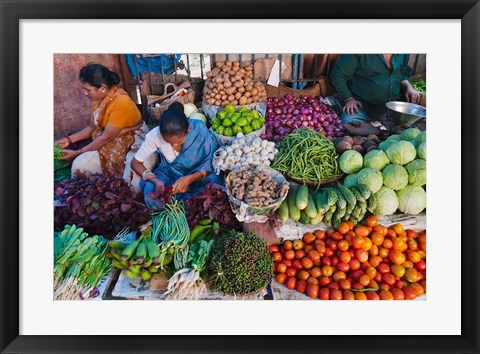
x: 359, y: 143
x: 254, y: 187
x: 230, y: 83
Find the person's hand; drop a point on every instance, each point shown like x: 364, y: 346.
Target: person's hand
x: 411, y: 95
x: 63, y: 143
x: 158, y: 184
x: 69, y: 154
x: 351, y: 106
x: 181, y: 185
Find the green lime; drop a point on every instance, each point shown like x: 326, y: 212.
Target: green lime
x: 242, y: 122
x: 243, y: 109
x: 255, y: 114
x: 220, y: 130
x: 228, y: 132
x: 247, y: 129
x: 216, y: 121
x: 230, y: 108
x: 237, y: 129
x: 221, y: 115
x: 256, y: 124
x: 227, y: 122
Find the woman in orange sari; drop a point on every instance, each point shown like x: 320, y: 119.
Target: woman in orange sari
x: 114, y: 120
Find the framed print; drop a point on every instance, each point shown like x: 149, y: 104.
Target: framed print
x: 39, y: 38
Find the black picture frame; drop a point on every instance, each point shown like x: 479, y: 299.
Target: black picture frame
x: 13, y: 11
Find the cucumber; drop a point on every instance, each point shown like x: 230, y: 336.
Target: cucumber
x: 302, y: 197
x: 311, y: 209
x: 293, y: 211
x: 357, y: 195
x: 340, y: 212
x: 336, y: 221
x: 364, y: 190
x: 319, y: 202
x: 372, y: 203
x: 332, y: 197
x: 283, y: 211
x: 349, y: 197
x: 341, y: 202
x: 333, y: 208
x: 304, y: 219
x: 317, y: 220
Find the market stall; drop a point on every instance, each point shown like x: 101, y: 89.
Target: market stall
x: 336, y: 215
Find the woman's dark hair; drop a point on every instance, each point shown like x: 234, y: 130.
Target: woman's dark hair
x: 176, y: 106
x: 97, y: 74
x: 173, y: 123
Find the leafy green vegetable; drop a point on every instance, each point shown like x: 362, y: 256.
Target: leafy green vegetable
x: 61, y: 169
x: 420, y: 85
x: 401, y: 152
x: 387, y: 202
x: 395, y: 177
x: 56, y: 152
x: 420, y: 138
x: 422, y: 150
x: 412, y: 200
x: 417, y: 172
x: 376, y: 159
x: 351, y: 161
x: 351, y: 180
x: 100, y: 204
x: 372, y: 178
x: 410, y: 133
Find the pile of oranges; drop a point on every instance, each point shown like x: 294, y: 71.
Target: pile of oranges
x: 363, y: 262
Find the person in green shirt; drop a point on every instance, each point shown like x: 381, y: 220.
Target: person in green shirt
x: 365, y: 82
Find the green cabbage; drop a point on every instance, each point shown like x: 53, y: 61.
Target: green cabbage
x: 395, y: 177
x: 394, y: 137
x: 372, y: 178
x: 385, y: 144
x: 351, y: 180
x: 199, y: 116
x: 401, y: 152
x: 189, y: 108
x: 387, y: 202
x: 412, y: 200
x: 420, y: 138
x: 410, y: 134
x: 417, y: 172
x: 376, y: 159
x: 422, y: 150
x: 351, y: 161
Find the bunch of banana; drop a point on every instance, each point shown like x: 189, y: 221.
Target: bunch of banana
x: 205, y: 230
x: 140, y: 258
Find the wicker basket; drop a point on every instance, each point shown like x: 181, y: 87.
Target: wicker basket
x: 168, y: 98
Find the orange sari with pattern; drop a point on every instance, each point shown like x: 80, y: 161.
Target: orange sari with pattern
x: 112, y: 155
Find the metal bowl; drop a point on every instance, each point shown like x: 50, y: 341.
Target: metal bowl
x: 405, y: 113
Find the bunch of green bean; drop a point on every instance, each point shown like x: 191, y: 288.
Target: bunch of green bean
x: 171, y: 233
x: 307, y: 155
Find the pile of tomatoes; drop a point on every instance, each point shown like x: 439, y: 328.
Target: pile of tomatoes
x: 363, y: 262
